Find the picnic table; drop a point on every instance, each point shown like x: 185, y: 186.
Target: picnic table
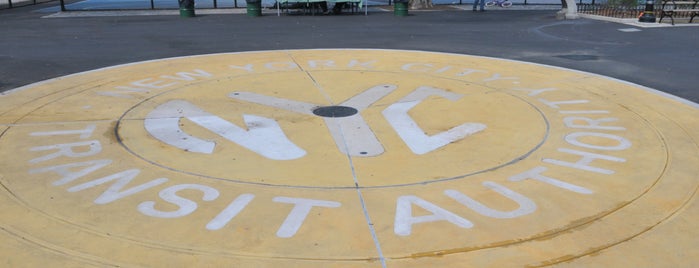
x: 308, y: 3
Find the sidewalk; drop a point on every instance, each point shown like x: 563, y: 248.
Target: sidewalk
x: 270, y: 11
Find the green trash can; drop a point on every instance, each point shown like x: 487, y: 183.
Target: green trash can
x: 186, y: 8
x: 254, y: 8
x: 400, y: 8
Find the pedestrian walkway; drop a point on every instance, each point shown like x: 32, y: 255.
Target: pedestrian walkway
x: 96, y: 9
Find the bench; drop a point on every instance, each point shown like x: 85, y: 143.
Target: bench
x: 672, y: 8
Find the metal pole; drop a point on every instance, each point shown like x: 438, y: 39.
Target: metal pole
x: 9, y: 3
x: 235, y: 3
x: 63, y: 5
x: 152, y: 5
x: 648, y: 15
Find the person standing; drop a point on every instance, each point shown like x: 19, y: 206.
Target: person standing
x: 481, y: 3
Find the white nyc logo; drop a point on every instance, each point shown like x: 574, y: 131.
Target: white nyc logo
x: 264, y: 136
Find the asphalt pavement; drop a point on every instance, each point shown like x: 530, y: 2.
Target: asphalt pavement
x: 36, y: 46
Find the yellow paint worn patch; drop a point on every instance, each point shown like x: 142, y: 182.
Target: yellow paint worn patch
x: 343, y: 158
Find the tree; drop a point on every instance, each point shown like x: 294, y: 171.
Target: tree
x: 569, y: 10
x: 420, y: 4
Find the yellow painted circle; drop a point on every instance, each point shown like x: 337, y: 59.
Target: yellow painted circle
x: 341, y: 157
